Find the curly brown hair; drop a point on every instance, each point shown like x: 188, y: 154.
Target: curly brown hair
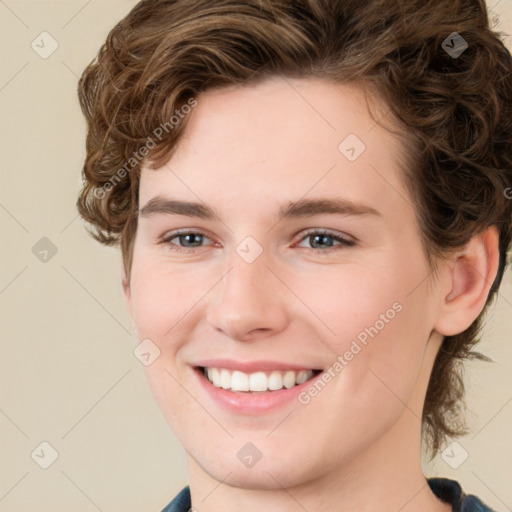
x: 453, y: 112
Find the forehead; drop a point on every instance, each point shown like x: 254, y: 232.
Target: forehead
x: 279, y: 140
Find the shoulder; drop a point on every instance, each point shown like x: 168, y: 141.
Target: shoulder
x: 180, y: 503
x: 451, y: 492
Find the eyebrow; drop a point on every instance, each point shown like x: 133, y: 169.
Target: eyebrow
x: 292, y: 209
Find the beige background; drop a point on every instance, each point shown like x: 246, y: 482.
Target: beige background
x: 68, y: 375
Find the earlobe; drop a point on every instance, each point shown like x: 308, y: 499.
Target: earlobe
x: 470, y: 278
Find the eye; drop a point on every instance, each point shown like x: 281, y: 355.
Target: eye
x: 323, y: 240
x: 190, y: 240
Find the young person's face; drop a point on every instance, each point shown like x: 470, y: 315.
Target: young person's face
x: 256, y: 292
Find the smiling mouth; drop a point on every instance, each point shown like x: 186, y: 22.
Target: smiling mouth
x: 257, y: 382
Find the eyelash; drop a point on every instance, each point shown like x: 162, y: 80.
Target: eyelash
x: 187, y: 250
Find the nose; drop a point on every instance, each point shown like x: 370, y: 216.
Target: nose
x: 249, y: 302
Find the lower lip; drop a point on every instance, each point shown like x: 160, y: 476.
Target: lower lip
x: 245, y: 402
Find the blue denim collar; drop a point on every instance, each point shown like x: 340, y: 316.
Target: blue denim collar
x: 451, y: 492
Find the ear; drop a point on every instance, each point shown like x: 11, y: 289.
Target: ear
x: 468, y: 281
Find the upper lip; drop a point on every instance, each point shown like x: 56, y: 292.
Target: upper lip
x: 251, y: 366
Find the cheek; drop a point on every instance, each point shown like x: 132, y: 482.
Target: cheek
x: 378, y: 345
x: 373, y: 321
x: 161, y: 298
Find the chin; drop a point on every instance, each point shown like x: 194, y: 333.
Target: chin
x: 273, y: 471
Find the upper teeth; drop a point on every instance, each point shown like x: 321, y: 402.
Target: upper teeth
x: 259, y: 381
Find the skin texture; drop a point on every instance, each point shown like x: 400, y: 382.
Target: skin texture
x: 356, y: 446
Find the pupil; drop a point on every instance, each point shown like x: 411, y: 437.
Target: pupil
x: 324, y: 238
x: 190, y: 238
